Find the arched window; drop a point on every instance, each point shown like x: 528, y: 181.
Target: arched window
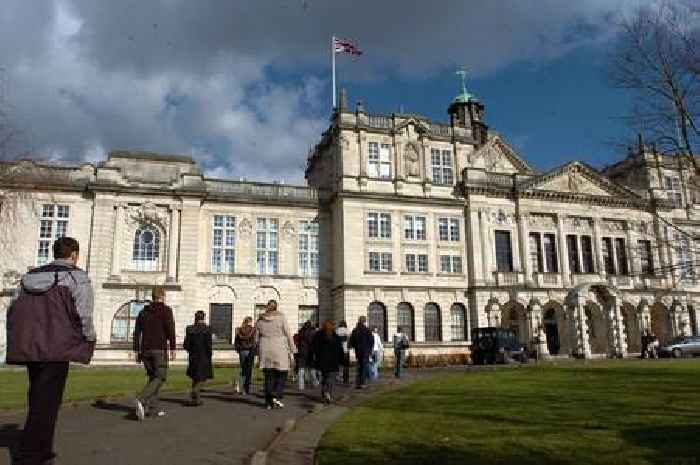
x: 432, y: 323
x: 404, y: 319
x: 146, y: 248
x: 458, y: 327
x: 376, y: 317
x: 125, y: 320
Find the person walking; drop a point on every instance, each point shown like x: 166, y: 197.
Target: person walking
x: 400, y: 343
x: 362, y: 341
x: 304, y: 357
x: 49, y: 324
x: 276, y: 346
x: 198, y: 344
x: 154, y: 330
x: 328, y: 356
x: 342, y: 333
x: 244, y: 344
x: 377, y: 355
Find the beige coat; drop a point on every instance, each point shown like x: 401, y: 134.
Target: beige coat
x: 275, y: 341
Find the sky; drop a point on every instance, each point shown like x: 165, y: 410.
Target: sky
x: 244, y: 87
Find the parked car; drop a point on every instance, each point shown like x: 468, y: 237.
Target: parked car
x: 681, y: 346
x: 496, y: 345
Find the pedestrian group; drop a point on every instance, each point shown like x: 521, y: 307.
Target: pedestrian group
x: 50, y: 324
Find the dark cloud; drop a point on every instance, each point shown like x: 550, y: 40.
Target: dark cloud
x: 239, y: 84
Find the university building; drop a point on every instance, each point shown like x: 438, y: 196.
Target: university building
x: 434, y: 227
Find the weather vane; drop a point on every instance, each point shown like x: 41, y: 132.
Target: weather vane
x: 463, y: 78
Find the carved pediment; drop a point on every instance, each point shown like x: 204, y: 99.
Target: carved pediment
x: 577, y: 178
x: 498, y: 157
x: 413, y: 126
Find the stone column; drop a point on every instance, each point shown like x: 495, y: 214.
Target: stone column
x: 474, y: 248
x: 583, y: 347
x: 524, y: 235
x: 173, y: 244
x: 632, y: 258
x: 618, y: 331
x: 117, y: 240
x: 598, y: 248
x: 563, y: 256
x: 537, y: 329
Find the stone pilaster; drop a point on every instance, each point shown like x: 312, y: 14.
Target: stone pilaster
x: 173, y: 245
x: 117, y: 240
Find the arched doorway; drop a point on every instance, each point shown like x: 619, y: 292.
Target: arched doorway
x: 630, y: 320
x: 551, y: 331
x: 597, y: 328
x: 514, y: 316
x: 661, y: 323
x: 376, y: 318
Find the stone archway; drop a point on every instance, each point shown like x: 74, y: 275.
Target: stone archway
x: 555, y: 324
x: 632, y: 325
x: 598, y: 329
x: 661, y: 322
x: 514, y: 316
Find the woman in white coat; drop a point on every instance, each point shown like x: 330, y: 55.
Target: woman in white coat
x: 276, y: 348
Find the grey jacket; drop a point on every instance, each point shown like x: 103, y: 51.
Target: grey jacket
x: 77, y: 282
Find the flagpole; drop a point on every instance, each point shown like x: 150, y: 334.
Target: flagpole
x: 333, y: 66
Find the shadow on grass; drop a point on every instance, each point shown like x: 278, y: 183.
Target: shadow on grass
x: 9, y: 439
x: 672, y: 444
x: 435, y: 455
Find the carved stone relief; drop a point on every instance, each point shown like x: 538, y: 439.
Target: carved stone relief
x: 500, y: 217
x: 578, y: 224
x: 575, y: 183
x: 245, y: 227
x: 147, y: 213
x: 288, y: 230
x: 541, y: 221
x: 411, y: 160
x: 613, y: 226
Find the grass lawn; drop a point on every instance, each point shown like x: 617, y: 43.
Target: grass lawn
x: 92, y: 383
x: 599, y: 412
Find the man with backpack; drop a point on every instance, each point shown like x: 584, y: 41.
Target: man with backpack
x: 49, y: 324
x: 154, y: 330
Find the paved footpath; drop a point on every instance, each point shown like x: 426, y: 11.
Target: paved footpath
x: 227, y: 429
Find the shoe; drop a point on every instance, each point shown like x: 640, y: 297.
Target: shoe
x: 268, y: 407
x: 327, y: 398
x: 157, y: 414
x: 140, y: 411
x: 277, y: 404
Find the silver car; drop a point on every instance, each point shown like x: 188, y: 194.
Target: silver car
x: 682, y: 346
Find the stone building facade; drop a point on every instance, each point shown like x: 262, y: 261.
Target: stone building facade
x: 438, y: 228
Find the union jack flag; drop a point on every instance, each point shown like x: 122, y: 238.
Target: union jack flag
x: 345, y: 46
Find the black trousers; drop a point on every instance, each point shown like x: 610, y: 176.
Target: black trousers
x: 275, y: 381
x: 47, y: 380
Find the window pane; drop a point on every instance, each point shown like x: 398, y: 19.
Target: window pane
x: 504, y: 253
x: 454, y: 230
x: 408, y: 227
x: 374, y: 261
x: 45, y: 229
x: 422, y: 263
x: 550, y: 254
x: 218, y: 241
x: 47, y: 211
x: 431, y: 318
x: 621, y: 255
x: 457, y: 314
x: 404, y: 319
x: 587, y: 254
x: 62, y: 211
x: 572, y: 248
x: 445, y: 265
x: 376, y: 318
x: 457, y: 264
x: 443, y: 229
x: 410, y: 263
x: 386, y: 262
x: 420, y: 228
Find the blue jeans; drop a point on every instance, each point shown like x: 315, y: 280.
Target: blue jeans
x: 247, y: 357
x: 374, y: 366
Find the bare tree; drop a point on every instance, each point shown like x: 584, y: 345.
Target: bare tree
x: 657, y: 58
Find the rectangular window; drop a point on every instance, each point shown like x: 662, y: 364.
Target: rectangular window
x: 448, y: 229
x: 422, y: 263
x: 587, y: 254
x: 379, y: 225
x: 52, y: 225
x: 416, y: 263
x: 450, y: 264
x: 379, y: 160
x: 266, y: 242
x: 308, y: 313
x: 646, y: 258
x: 536, y: 262
x: 441, y: 161
x: 308, y: 248
x: 549, y: 246
x: 414, y: 227
x: 223, y: 244
x: 380, y: 261
x: 608, y: 260
x: 621, y: 253
x: 682, y: 248
x: 410, y: 263
x: 504, y: 251
x: 572, y: 249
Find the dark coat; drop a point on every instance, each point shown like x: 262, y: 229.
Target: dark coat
x: 50, y: 320
x: 327, y: 352
x: 305, y: 346
x: 245, y: 339
x: 155, y: 328
x: 362, y: 341
x: 197, y: 343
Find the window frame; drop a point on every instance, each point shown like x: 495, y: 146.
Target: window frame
x: 443, y: 170
x: 269, y: 265
x: 57, y: 217
x: 504, y: 258
x: 141, y: 251
x: 308, y: 258
x: 219, y: 259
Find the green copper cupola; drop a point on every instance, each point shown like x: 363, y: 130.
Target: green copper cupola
x: 468, y: 112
